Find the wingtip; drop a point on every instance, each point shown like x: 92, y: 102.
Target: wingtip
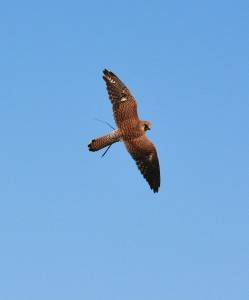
x: 155, y: 187
x: 106, y: 72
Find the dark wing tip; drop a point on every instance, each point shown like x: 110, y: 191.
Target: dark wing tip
x: 155, y: 189
x: 154, y: 184
x: 107, y: 75
x: 150, y: 170
x: 106, y: 72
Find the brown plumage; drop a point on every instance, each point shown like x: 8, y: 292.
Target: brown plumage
x: 131, y: 130
x: 105, y: 141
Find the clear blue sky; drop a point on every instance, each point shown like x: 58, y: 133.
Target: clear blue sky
x: 76, y: 226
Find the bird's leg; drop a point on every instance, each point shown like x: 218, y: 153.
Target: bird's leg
x: 106, y: 150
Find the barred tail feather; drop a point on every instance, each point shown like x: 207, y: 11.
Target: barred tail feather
x: 99, y: 143
x: 104, y: 141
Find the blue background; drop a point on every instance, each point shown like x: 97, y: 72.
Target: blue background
x: 76, y: 226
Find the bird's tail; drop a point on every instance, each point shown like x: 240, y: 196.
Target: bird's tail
x: 104, y: 141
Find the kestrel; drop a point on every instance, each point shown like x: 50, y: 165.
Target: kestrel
x: 131, y: 130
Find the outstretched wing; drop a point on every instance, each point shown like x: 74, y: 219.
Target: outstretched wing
x: 124, y: 105
x: 145, y: 155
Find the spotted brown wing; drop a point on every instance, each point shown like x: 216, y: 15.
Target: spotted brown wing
x: 145, y: 155
x: 123, y: 103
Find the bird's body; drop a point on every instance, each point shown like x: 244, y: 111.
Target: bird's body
x: 131, y: 130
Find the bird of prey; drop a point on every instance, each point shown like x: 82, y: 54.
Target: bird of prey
x: 131, y: 130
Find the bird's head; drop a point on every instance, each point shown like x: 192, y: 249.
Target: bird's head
x: 146, y: 125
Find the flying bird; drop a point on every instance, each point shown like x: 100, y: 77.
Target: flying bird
x: 130, y: 130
